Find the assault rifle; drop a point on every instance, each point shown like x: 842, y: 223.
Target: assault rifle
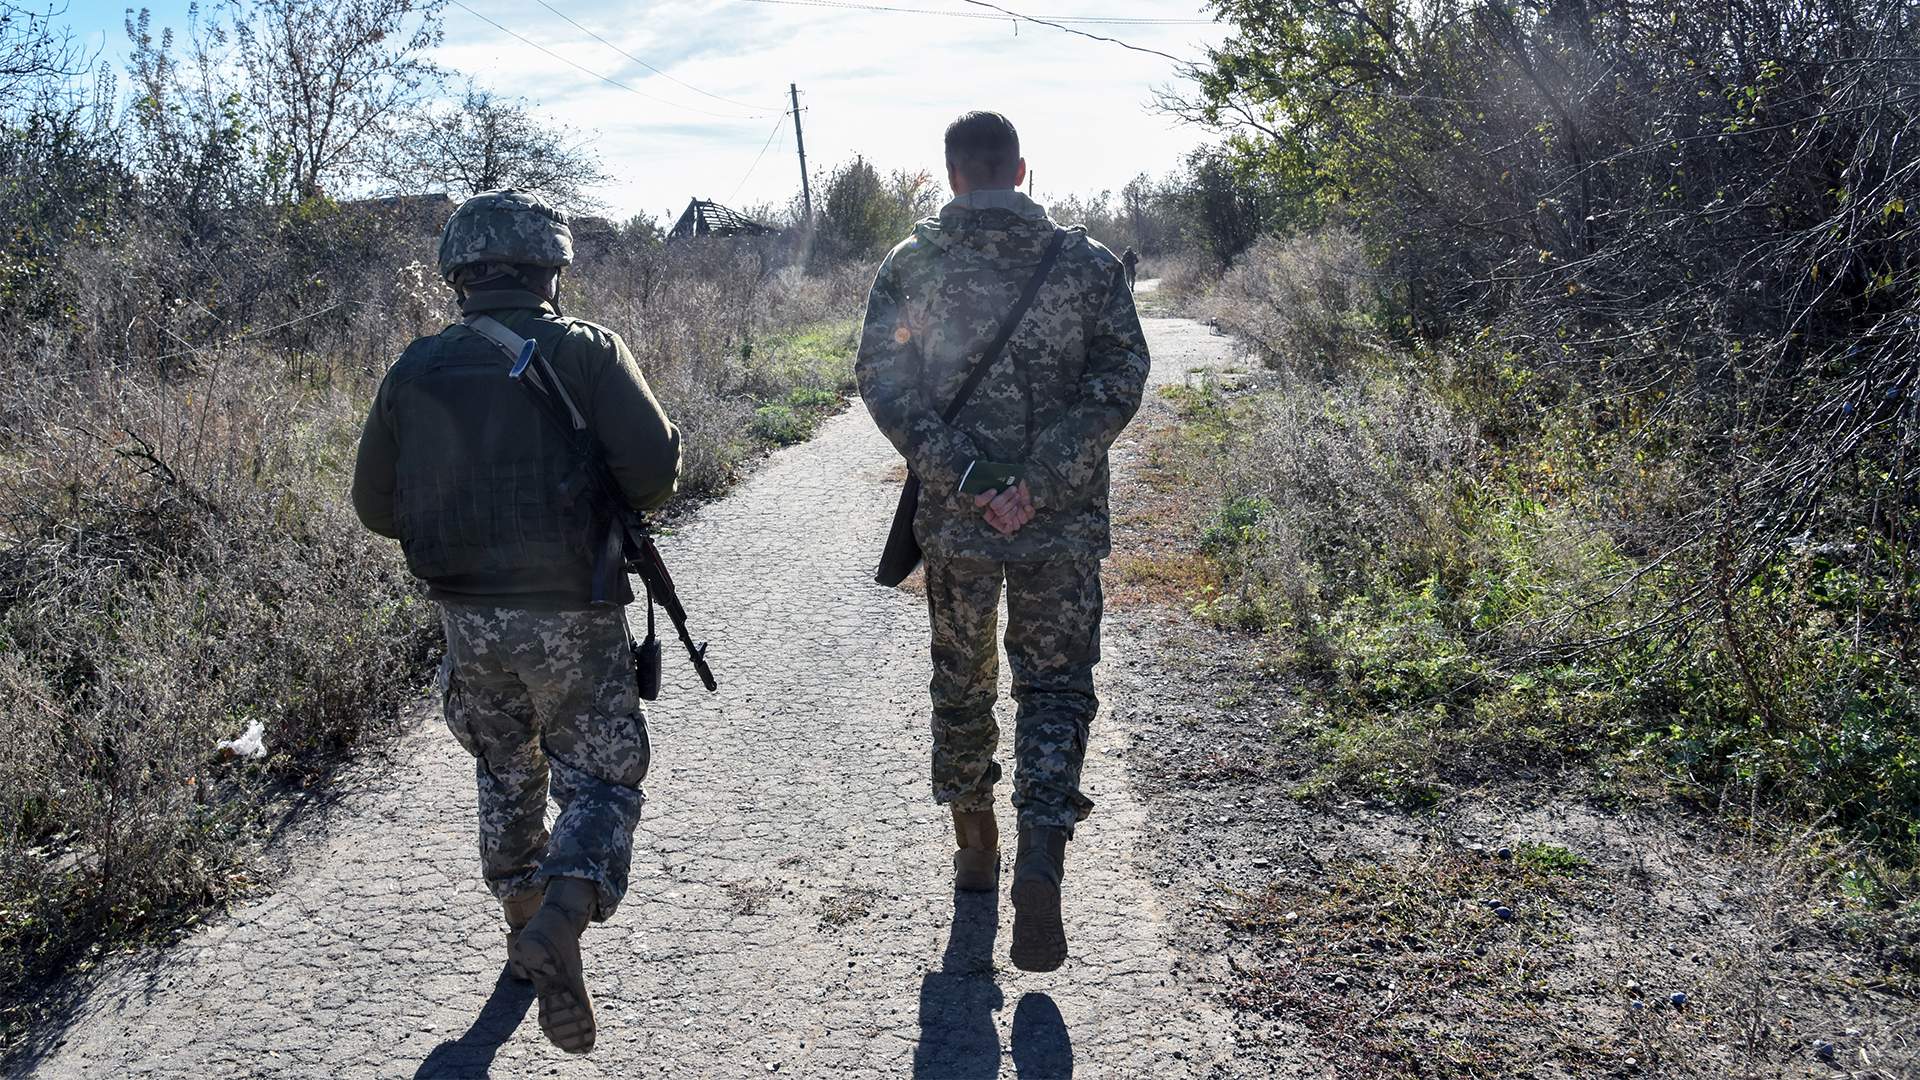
x: 628, y: 547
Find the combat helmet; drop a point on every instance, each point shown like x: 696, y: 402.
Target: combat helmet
x: 505, y: 227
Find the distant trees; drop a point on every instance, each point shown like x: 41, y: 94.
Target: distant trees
x: 1214, y: 206
x: 863, y: 213
x: 483, y: 142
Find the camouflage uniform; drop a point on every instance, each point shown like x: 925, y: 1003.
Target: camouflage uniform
x: 1067, y: 383
x: 536, y: 693
x: 457, y: 463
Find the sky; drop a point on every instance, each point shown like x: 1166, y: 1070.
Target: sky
x: 881, y: 84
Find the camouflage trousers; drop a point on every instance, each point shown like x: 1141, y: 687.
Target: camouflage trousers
x: 545, y: 701
x: 1053, y: 643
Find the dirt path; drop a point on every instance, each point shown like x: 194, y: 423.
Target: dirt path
x: 789, y: 912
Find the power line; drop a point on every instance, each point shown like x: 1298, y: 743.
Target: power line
x: 1056, y: 24
x: 778, y: 124
x: 644, y: 64
x: 610, y: 81
x: 850, y: 5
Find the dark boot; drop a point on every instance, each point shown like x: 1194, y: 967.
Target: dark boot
x: 976, y: 866
x: 1039, y: 865
x: 519, y: 911
x: 549, y: 950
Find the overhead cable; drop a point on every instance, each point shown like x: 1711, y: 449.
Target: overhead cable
x: 609, y: 80
x: 851, y: 5
x: 650, y: 67
x: 1056, y: 24
x: 777, y: 126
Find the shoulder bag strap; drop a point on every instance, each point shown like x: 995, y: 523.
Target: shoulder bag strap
x: 1007, y: 328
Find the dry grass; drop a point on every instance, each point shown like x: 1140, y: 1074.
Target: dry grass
x: 1421, y: 966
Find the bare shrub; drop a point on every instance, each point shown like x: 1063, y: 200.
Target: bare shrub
x: 1184, y: 280
x: 178, y: 566
x: 1321, y: 485
x: 1297, y: 300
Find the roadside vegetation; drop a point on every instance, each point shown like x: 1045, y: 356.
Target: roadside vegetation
x: 1587, y: 425
x: 200, y: 295
x: 1576, y: 454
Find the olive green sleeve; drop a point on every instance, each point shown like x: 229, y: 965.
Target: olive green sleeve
x: 641, y: 444
x: 374, y: 471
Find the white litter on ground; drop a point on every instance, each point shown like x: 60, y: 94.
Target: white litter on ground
x: 250, y: 745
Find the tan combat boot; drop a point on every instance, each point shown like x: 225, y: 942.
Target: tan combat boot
x: 1039, y: 865
x: 976, y: 866
x: 548, y: 949
x: 519, y: 911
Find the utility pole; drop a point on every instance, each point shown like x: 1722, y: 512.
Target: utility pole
x: 800, y: 142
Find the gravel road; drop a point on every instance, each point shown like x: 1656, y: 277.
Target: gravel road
x: 790, y: 911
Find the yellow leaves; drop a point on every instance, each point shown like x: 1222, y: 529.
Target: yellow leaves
x: 1573, y: 288
x: 1545, y: 255
x: 1895, y: 205
x: 1814, y: 272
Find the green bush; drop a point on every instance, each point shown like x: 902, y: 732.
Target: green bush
x: 1467, y: 571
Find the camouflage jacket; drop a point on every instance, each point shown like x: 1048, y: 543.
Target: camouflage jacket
x: 1066, y: 384
x: 458, y: 464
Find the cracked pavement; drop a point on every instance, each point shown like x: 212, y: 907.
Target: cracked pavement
x: 790, y: 912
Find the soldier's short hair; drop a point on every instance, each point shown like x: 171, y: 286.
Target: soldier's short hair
x: 984, y: 148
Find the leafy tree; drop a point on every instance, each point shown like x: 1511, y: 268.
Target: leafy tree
x: 1679, y: 228
x: 864, y: 214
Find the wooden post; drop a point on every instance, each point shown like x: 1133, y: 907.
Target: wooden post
x: 800, y: 142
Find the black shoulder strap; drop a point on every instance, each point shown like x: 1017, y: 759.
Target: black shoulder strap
x: 1007, y: 328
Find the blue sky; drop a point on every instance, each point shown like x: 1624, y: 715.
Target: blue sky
x: 881, y: 84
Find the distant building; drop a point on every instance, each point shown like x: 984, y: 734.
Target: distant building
x: 705, y: 218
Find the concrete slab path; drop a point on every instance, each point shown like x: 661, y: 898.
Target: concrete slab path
x: 790, y: 912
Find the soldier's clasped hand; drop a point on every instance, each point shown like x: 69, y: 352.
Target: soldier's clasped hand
x: 1006, y: 510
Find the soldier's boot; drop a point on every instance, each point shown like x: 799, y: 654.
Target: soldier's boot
x: 976, y: 865
x: 549, y: 950
x: 520, y: 911
x: 1039, y: 865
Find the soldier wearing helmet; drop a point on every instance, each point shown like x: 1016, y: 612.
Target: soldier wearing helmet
x: 457, y: 463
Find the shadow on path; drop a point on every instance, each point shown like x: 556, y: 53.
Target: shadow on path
x: 959, y: 1039
x: 1042, y: 1049
x: 472, y: 1053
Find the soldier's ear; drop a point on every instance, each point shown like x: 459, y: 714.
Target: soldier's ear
x: 1020, y: 174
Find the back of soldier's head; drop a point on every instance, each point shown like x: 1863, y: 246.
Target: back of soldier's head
x: 984, y: 151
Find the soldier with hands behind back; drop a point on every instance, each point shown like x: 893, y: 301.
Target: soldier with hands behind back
x: 489, y: 503
x: 1013, y: 493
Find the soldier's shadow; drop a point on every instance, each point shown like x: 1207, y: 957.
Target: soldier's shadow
x: 472, y: 1053
x: 959, y: 1035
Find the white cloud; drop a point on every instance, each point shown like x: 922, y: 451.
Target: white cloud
x: 879, y: 84
x: 872, y: 83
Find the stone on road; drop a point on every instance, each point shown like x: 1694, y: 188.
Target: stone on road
x: 790, y: 913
